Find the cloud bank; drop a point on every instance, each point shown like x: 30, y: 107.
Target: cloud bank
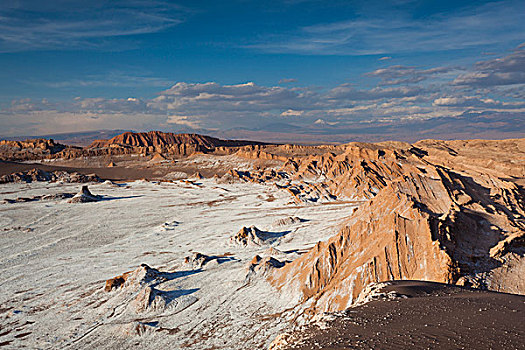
x: 401, y: 94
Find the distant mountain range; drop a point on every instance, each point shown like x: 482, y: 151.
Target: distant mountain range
x: 83, y: 138
x: 466, y: 126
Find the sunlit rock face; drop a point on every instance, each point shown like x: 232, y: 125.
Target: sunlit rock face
x: 431, y: 223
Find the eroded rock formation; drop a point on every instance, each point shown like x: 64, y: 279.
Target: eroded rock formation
x: 84, y: 196
x: 153, y: 142
x: 446, y: 211
x: 52, y: 176
x: 30, y: 149
x: 139, y: 292
x: 424, y: 221
x: 252, y: 236
x: 160, y: 142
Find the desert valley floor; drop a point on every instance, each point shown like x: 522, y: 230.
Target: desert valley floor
x: 56, y: 256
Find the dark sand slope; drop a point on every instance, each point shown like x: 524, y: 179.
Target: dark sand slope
x: 115, y: 173
x: 431, y: 316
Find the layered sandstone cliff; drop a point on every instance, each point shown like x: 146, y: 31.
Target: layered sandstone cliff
x: 32, y: 149
x: 160, y: 142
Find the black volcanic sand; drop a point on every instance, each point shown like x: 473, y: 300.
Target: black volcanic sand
x: 434, y: 316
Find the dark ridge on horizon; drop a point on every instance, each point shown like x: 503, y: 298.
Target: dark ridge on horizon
x: 81, y: 138
x: 161, y: 139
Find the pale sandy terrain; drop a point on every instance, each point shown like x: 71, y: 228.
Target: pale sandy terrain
x: 55, y: 257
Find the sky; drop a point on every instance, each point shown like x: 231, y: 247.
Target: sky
x: 211, y: 66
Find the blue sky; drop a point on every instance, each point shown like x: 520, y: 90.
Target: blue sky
x: 214, y: 65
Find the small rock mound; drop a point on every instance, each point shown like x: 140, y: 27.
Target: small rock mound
x: 225, y: 179
x: 288, y: 221
x: 84, y: 196
x: 274, y: 252
x: 250, y: 236
x: 146, y: 290
x: 110, y: 183
x: 263, y: 265
x: 141, y: 282
x: 197, y: 260
x: 142, y: 275
x: 150, y: 299
x: 47, y: 197
x: 157, y: 158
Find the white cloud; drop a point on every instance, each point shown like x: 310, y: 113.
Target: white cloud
x: 350, y: 93
x: 478, y: 102
x: 287, y: 80
x: 292, y: 113
x: 208, y: 97
x: 508, y: 70
x: 192, y: 122
x: 321, y: 121
x: 396, y: 75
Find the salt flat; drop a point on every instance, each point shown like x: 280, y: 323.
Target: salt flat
x: 55, y: 257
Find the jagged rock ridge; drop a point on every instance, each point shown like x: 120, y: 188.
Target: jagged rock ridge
x: 152, y: 142
x: 162, y: 139
x: 160, y: 142
x: 32, y: 149
x: 427, y: 221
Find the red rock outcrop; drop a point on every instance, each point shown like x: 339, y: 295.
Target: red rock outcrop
x: 127, y: 143
x: 33, y: 149
x: 160, y: 142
